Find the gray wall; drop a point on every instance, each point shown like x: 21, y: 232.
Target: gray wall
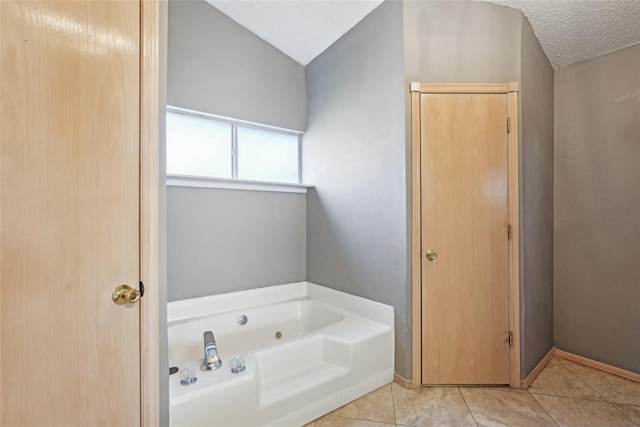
x: 229, y: 240
x: 486, y: 45
x: 536, y: 145
x: 597, y: 209
x: 461, y: 42
x: 353, y: 152
x: 219, y: 67
x: 350, y: 249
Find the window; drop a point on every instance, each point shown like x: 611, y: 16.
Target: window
x: 206, y: 146
x: 267, y: 156
x: 197, y: 146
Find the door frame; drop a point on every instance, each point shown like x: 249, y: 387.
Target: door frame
x: 511, y: 90
x: 150, y: 29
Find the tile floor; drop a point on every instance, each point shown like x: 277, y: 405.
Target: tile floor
x: 564, y: 394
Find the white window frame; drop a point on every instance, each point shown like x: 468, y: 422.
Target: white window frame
x: 234, y: 182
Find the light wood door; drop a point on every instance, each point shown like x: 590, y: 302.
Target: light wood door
x: 69, y: 216
x: 464, y: 217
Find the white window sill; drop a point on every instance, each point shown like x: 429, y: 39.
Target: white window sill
x: 235, y: 184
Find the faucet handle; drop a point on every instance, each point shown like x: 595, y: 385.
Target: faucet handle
x: 209, y: 339
x: 211, y: 359
x: 188, y: 375
x: 238, y: 364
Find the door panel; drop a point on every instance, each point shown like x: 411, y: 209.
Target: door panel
x: 69, y: 194
x: 464, y: 218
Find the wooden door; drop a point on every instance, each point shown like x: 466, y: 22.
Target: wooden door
x: 464, y: 217
x: 69, y: 218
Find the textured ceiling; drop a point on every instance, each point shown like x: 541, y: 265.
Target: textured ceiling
x: 302, y: 29
x: 569, y: 30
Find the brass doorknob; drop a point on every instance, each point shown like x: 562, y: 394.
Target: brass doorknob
x: 431, y: 255
x: 125, y: 294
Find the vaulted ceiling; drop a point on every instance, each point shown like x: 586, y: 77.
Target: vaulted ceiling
x: 569, y: 30
x: 302, y: 29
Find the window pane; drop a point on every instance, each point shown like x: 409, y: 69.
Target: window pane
x: 267, y: 156
x: 198, y: 146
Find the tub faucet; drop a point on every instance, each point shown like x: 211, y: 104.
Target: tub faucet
x: 211, y: 359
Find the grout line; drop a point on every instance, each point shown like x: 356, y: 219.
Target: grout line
x: 467, y: 405
x: 356, y: 418
x: 393, y: 405
x: 543, y: 408
x: 363, y: 419
x: 585, y: 400
x: 572, y: 398
x: 569, y: 397
x: 615, y: 405
x: 584, y: 382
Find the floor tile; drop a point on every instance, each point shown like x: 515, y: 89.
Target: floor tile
x: 557, y: 380
x: 430, y: 406
x: 611, y: 387
x: 501, y: 408
x: 335, y: 421
x: 569, y: 412
x: 375, y: 406
x: 559, y: 391
x: 631, y: 411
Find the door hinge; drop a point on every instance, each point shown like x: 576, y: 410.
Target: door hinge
x: 510, y: 339
x: 509, y: 232
x: 508, y: 124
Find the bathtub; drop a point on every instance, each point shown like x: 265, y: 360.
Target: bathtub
x: 308, y: 350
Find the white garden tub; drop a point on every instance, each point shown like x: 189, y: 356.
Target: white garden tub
x: 308, y: 349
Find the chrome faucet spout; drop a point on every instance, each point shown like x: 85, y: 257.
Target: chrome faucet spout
x: 211, y: 359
